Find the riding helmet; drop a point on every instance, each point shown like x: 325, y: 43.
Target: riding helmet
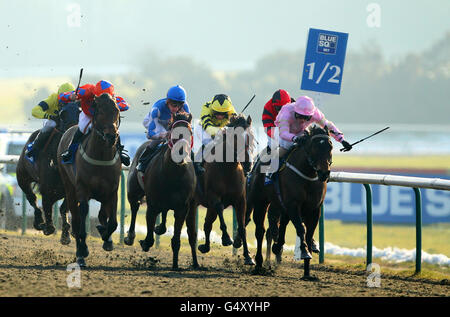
x: 280, y: 98
x: 66, y: 87
x: 103, y: 87
x: 221, y: 103
x: 176, y: 93
x: 304, y: 106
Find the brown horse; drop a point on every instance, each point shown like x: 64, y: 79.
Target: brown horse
x: 169, y: 183
x: 297, y: 195
x: 45, y: 174
x: 94, y: 174
x: 224, y: 183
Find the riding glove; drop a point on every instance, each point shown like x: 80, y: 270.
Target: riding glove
x: 347, y: 146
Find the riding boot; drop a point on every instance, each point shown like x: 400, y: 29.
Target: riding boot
x: 143, y: 159
x: 67, y: 156
x: 124, y: 157
x: 38, y: 143
x: 246, y: 166
x: 198, y: 161
x: 147, y: 155
x: 270, y: 176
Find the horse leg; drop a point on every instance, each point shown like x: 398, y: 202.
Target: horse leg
x: 249, y: 209
x: 65, y: 236
x: 240, y: 215
x: 211, y: 216
x: 25, y: 185
x: 110, y: 209
x: 311, y: 223
x: 129, y: 239
x: 226, y: 240
x: 82, y: 249
x: 277, y: 247
x: 294, y: 215
x: 180, y: 217
x: 161, y: 228
x: 273, y: 232
x: 47, y: 205
x: 150, y: 218
x: 259, y: 216
x: 192, y: 232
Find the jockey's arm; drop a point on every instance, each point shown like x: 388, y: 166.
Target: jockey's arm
x: 319, y: 118
x: 46, y: 108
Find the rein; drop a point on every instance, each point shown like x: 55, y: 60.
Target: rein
x: 310, y: 161
x: 92, y: 161
x: 171, y: 143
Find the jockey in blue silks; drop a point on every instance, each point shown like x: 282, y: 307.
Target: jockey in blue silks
x: 157, y: 121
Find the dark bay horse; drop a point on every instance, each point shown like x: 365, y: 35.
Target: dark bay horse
x: 95, y: 174
x: 301, y: 192
x: 169, y: 184
x: 224, y: 183
x: 45, y: 174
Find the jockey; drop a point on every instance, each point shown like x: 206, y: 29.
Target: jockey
x: 215, y: 115
x: 157, y: 121
x: 86, y: 94
x: 294, y: 118
x: 47, y: 109
x: 271, y: 110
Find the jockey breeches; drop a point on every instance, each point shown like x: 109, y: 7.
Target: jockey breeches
x: 48, y: 125
x: 84, y: 122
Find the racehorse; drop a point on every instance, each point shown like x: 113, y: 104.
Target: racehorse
x: 45, y: 174
x: 297, y: 194
x: 224, y: 183
x: 95, y: 174
x: 169, y: 183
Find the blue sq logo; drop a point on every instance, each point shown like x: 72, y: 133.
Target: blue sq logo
x: 327, y: 43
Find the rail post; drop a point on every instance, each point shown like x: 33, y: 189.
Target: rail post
x: 234, y: 229
x: 122, y: 207
x: 418, y: 230
x: 321, y: 236
x: 55, y: 215
x: 369, y: 224
x: 24, y: 214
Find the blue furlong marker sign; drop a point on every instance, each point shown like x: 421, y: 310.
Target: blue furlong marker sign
x: 390, y: 204
x: 324, y: 61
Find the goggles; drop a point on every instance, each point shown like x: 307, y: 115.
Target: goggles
x: 300, y: 116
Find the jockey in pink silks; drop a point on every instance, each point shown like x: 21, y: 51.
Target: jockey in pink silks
x: 292, y: 121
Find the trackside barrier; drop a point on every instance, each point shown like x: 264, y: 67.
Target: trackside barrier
x: 390, y: 180
x: 365, y: 179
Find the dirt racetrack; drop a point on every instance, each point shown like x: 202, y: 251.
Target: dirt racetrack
x: 34, y: 265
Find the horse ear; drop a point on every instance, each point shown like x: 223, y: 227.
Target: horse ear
x: 249, y: 120
x: 233, y: 118
x: 326, y: 130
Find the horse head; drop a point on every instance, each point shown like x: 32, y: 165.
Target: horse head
x: 239, y: 137
x: 318, y: 148
x: 180, y: 137
x: 68, y: 115
x: 105, y: 121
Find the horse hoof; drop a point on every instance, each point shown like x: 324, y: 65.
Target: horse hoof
x: 203, y: 248
x: 309, y: 278
x: 276, y: 248
x: 237, y: 243
x: 81, y: 262
x: 226, y: 241
x: 48, y: 230
x: 101, y: 229
x: 315, y: 248
x: 128, y: 240
x: 159, y: 230
x: 38, y: 226
x: 108, y: 246
x: 65, y: 239
x: 248, y: 261
x: 305, y: 255
x: 145, y: 245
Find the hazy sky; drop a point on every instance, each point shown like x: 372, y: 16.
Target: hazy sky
x: 226, y: 35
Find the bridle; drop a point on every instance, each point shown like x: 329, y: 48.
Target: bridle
x: 311, y: 161
x: 171, y: 142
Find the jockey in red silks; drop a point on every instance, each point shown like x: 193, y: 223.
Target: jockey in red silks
x: 86, y: 94
x: 271, y: 110
x: 294, y: 118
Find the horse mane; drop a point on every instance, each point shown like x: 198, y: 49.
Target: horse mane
x: 238, y: 120
x: 316, y: 129
x: 180, y: 116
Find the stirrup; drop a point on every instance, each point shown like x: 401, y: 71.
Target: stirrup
x: 125, y: 158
